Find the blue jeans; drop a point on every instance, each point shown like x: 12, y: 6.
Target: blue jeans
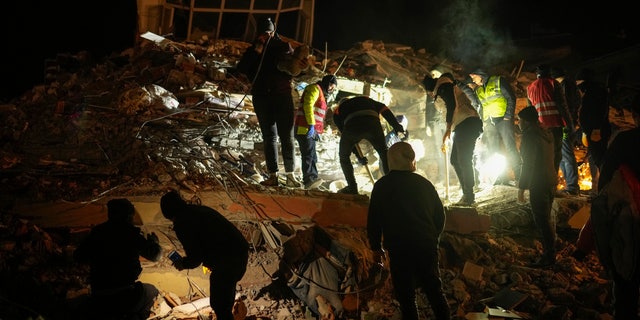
x: 569, y: 165
x: 309, y: 157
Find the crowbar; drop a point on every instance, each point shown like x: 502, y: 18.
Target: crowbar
x: 361, y: 155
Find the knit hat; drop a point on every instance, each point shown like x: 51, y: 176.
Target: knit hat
x: 557, y: 72
x: 328, y: 80
x: 542, y: 70
x: 480, y: 72
x: 267, y: 25
x: 584, y: 74
x: 529, y: 113
x: 429, y: 83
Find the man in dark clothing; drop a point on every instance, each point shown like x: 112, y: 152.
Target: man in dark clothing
x: 358, y: 118
x: 462, y: 118
x: 406, y: 217
x: 113, y: 249
x: 593, y: 117
x: 538, y: 175
x: 272, y: 100
x: 208, y: 238
x: 568, y: 164
x: 621, y: 153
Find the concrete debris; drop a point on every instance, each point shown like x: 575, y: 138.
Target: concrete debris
x: 177, y: 114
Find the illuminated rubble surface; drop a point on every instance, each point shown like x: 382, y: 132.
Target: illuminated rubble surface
x: 167, y: 118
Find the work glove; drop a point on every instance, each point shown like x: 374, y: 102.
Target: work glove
x: 400, y: 133
x: 311, y: 133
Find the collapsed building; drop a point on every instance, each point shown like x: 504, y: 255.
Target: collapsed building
x: 168, y: 114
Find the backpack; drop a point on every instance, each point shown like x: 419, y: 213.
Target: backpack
x: 616, y: 223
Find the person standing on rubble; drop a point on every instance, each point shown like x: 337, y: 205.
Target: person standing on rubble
x: 272, y: 100
x: 593, y: 118
x: 539, y: 176
x: 545, y: 94
x: 358, y: 118
x: 569, y: 164
x: 620, y: 170
x: 113, y: 249
x: 208, y: 238
x: 406, y: 218
x: 309, y: 123
x: 498, y: 112
x: 463, y: 120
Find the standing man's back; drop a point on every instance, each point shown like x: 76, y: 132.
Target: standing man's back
x: 406, y: 218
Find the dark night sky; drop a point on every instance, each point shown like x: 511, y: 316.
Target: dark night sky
x: 466, y: 31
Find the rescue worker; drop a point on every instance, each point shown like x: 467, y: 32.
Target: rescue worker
x: 309, y: 123
x: 113, y: 250
x: 463, y: 120
x: 272, y: 100
x: 498, y: 110
x: 209, y: 239
x: 539, y: 176
x: 545, y: 94
x: 358, y: 118
x: 406, y: 219
x: 569, y: 164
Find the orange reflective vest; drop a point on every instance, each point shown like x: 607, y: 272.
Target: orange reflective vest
x: 312, y: 112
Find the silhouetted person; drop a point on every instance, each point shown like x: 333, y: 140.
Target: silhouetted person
x: 113, y: 250
x: 569, y: 164
x: 406, y: 218
x: 538, y: 175
x: 593, y: 117
x: 209, y: 239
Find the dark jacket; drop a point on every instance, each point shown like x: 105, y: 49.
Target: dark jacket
x: 264, y: 67
x: 594, y: 109
x: 536, y: 151
x: 208, y: 238
x: 405, y: 211
x: 621, y: 151
x: 363, y: 106
x: 113, y: 250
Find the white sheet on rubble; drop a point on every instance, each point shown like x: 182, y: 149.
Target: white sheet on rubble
x: 152, y: 37
x: 191, y: 309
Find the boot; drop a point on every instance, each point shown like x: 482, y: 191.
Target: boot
x: 292, y: 181
x: 271, y: 181
x: 349, y: 190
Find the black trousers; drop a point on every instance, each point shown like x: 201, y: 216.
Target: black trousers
x: 413, y: 268
x: 361, y: 128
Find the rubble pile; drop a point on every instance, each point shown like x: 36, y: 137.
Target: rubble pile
x: 178, y: 114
